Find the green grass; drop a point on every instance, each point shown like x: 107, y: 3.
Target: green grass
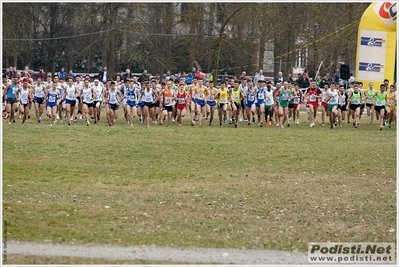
x: 211, y: 187
x: 30, y: 259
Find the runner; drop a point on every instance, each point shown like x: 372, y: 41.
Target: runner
x: 121, y: 86
x: 193, y: 101
x: 324, y: 104
x: 52, y: 98
x: 380, y: 99
x: 11, y: 98
x: 24, y: 93
x: 354, y: 100
x: 369, y: 102
x: 182, y: 99
x: 276, y: 103
x: 201, y: 95
x: 99, y: 89
x: 167, y: 103
x: 349, y: 111
x: 38, y: 99
x: 333, y: 98
x: 236, y: 97
x: 285, y: 95
x: 114, y: 98
x: 88, y: 96
x: 78, y: 111
x: 131, y: 94
x: 297, y: 103
x: 156, y: 88
x: 222, y: 103
x: 363, y: 99
x: 260, y: 101
x: 391, y: 101
x: 70, y: 94
x: 342, y: 106
x: 140, y: 104
x: 250, y: 106
x: 61, y: 104
x: 311, y: 97
x: 243, y: 88
x: 291, y: 103
x: 211, y: 101
x: 269, y: 104
x: 149, y: 97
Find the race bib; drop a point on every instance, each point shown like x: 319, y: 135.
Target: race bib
x: 112, y: 98
x: 131, y: 98
x: 390, y: 102
x: 87, y: 97
x: 24, y: 98
x: 148, y: 99
x: 211, y: 98
x: 71, y: 94
x: 168, y: 100
x: 296, y: 101
x: 379, y: 103
x: 201, y: 96
x: 235, y: 97
x: 251, y: 98
x: 370, y: 99
x: 39, y: 93
x: 284, y: 97
x: 312, y: 98
x: 356, y: 101
x: 223, y: 100
x: 51, y: 98
x: 182, y: 100
x: 261, y: 96
x: 333, y: 100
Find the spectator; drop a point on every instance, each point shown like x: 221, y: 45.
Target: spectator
x: 336, y: 77
x: 259, y: 77
x: 318, y: 80
x: 41, y: 74
x: 225, y: 78
x: 103, y: 75
x: 243, y: 75
x: 127, y: 75
x: 11, y: 72
x: 279, y: 78
x: 62, y: 74
x: 71, y: 74
x: 189, y: 78
x: 199, y: 74
x: 351, y: 78
x: 25, y: 73
x: 386, y: 83
x: 328, y: 78
x: 290, y: 79
x: 303, y: 81
x: 144, y: 77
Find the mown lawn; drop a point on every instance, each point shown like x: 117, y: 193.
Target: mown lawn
x: 210, y: 187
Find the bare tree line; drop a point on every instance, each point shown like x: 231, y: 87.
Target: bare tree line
x: 171, y: 36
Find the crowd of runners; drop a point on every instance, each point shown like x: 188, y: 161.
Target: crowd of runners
x: 70, y: 99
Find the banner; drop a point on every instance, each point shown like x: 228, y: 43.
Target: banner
x: 376, y: 44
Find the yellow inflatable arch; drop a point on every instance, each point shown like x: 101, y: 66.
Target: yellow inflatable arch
x: 376, y: 45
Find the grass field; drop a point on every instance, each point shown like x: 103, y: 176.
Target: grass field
x: 31, y: 259
x: 210, y: 187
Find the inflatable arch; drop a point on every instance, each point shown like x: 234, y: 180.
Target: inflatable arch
x: 376, y: 45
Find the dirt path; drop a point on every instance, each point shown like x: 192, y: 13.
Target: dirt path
x: 194, y: 255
